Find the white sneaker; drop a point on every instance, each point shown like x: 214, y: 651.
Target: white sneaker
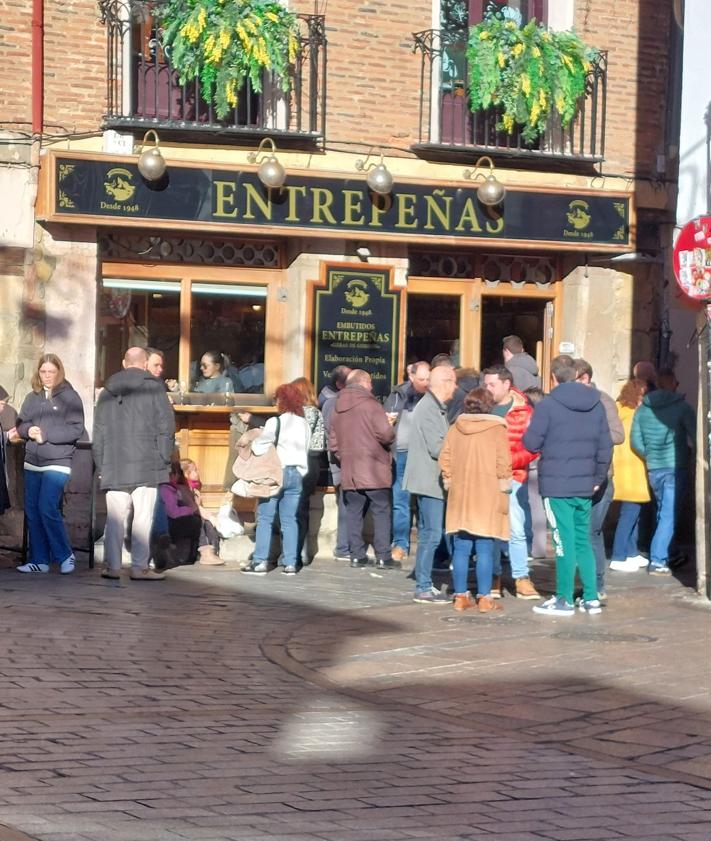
x: 228, y: 523
x: 640, y: 560
x: 67, y: 566
x: 630, y: 565
x: 33, y: 568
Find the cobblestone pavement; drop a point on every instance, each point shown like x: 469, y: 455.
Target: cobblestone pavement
x: 328, y: 706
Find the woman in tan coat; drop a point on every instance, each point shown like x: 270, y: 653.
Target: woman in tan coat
x: 476, y: 470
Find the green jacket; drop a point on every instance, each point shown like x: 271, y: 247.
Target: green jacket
x: 663, y: 428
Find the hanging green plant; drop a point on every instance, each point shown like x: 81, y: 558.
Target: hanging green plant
x: 225, y: 42
x: 527, y: 72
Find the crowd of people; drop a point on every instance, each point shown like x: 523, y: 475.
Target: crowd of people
x: 476, y: 461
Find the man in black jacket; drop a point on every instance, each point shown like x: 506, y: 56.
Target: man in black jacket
x: 569, y: 429
x: 134, y: 438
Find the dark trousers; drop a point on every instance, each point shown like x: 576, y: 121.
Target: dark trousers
x: 191, y: 532
x: 357, y: 503
x: 308, y: 485
x: 600, y: 506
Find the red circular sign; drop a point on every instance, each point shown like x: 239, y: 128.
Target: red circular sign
x: 692, y: 259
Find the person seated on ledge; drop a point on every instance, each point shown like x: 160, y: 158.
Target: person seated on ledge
x: 213, y: 378
x: 192, y: 535
x: 192, y: 478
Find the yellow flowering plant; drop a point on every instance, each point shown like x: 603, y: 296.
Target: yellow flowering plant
x: 527, y: 73
x: 226, y: 42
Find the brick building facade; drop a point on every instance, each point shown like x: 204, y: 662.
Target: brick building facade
x: 375, y: 87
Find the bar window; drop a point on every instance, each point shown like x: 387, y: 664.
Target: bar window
x: 144, y: 313
x: 227, y: 320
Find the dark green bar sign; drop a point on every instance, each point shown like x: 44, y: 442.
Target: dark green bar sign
x: 355, y: 322
x: 104, y: 189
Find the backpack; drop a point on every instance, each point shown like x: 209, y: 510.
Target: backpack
x: 258, y: 477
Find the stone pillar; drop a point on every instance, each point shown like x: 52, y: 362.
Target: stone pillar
x: 609, y: 317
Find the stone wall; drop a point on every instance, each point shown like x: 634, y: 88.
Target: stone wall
x: 610, y: 317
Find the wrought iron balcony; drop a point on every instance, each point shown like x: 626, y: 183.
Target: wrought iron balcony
x: 144, y: 91
x: 449, y: 130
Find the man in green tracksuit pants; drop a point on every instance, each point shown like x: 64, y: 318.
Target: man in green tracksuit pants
x: 569, y: 429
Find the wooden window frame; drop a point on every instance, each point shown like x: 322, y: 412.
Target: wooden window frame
x: 186, y: 275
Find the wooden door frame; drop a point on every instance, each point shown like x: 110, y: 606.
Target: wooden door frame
x: 471, y: 292
x: 463, y: 289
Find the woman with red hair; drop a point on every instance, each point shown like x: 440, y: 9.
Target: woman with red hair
x: 290, y: 434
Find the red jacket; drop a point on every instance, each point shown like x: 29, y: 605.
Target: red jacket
x: 517, y: 419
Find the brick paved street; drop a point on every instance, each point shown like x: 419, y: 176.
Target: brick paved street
x: 217, y: 706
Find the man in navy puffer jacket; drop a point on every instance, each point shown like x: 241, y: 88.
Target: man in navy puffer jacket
x: 569, y: 429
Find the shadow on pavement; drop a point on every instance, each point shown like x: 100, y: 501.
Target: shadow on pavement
x: 217, y: 706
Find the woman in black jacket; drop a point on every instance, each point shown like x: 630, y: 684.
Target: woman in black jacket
x: 51, y: 421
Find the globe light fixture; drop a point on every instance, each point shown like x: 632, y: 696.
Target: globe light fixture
x: 491, y: 192
x: 271, y: 173
x: 151, y: 163
x: 379, y: 177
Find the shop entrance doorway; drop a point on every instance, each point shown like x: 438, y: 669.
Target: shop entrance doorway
x: 469, y: 320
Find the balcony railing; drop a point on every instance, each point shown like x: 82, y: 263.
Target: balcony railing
x: 144, y: 91
x: 448, y: 129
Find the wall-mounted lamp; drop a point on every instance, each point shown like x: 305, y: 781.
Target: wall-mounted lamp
x: 271, y: 173
x: 151, y: 163
x: 491, y: 192
x: 379, y: 178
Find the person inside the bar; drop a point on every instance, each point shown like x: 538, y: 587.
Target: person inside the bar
x: 213, y: 378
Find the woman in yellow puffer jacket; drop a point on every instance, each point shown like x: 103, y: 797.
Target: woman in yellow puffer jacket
x: 631, y: 486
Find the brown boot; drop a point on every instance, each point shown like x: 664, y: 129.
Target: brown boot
x: 208, y: 557
x: 463, y: 601
x: 487, y: 605
x: 525, y: 589
x: 495, y: 587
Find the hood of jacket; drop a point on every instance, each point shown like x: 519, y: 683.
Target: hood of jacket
x: 475, y: 424
x: 352, y: 396
x: 661, y: 399
x: 525, y: 361
x: 63, y: 386
x: 519, y: 400
x: 128, y: 381
x: 576, y: 396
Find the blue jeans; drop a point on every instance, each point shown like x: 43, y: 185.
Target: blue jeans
x: 43, y: 503
x: 430, y: 525
x: 463, y: 545
x: 401, y: 504
x: 668, y: 487
x: 520, y: 524
x: 160, y: 518
x: 625, y: 544
x: 286, y: 503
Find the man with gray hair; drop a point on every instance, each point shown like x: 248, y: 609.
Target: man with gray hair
x: 423, y: 477
x: 134, y: 439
